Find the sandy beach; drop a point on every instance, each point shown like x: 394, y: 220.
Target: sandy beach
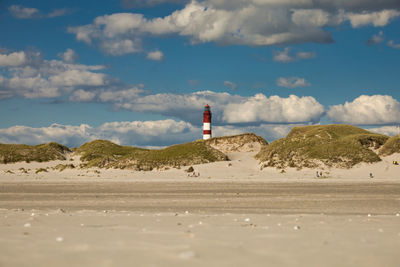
x: 228, y: 216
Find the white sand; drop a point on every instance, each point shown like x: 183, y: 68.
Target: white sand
x: 94, y: 238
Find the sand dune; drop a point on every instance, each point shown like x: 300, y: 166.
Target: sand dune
x: 242, y: 166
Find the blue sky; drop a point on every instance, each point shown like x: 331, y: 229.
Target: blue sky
x: 139, y: 72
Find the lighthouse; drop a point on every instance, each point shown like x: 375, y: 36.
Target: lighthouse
x: 207, y: 123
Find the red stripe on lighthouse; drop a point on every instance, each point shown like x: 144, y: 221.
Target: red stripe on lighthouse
x: 207, y: 132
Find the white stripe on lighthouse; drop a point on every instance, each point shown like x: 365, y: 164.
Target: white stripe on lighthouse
x: 206, y: 136
x: 206, y: 126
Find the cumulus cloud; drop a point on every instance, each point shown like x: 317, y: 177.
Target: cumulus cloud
x: 135, y: 133
x: 69, y: 56
x: 64, y: 134
x: 28, y: 75
x: 379, y: 18
x: 183, y: 106
x: 155, y: 55
x: 285, y: 55
x: 367, y: 110
x: 121, y: 47
x: 82, y: 96
x: 386, y: 130
x: 23, y: 12
x: 75, y: 77
x: 376, y: 38
x: 58, y: 12
x: 139, y: 133
x: 274, y: 109
x: 20, y: 12
x: 230, y: 84
x: 226, y: 108
x: 392, y: 44
x: 291, y: 82
x: 13, y: 59
x: 238, y: 22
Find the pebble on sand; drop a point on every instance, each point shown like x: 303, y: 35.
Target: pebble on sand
x: 247, y: 219
x: 296, y: 227
x: 27, y: 225
x: 186, y: 255
x: 60, y: 239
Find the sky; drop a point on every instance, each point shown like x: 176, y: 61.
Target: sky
x: 140, y: 72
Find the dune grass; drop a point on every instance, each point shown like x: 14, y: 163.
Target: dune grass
x: 332, y: 145
x: 101, y: 153
x: 10, y: 153
x: 391, y: 146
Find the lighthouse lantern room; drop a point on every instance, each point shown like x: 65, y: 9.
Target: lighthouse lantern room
x: 207, y: 123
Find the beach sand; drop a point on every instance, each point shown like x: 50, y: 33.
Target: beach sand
x: 229, y: 216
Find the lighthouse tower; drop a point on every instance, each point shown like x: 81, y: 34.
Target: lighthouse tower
x: 207, y: 123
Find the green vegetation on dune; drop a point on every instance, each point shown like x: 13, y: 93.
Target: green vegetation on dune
x: 332, y: 145
x: 391, y: 146
x: 102, y: 153
x: 10, y: 153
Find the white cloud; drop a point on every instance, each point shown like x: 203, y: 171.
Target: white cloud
x: 64, y: 134
x: 305, y: 55
x: 376, y: 38
x: 69, y: 56
x: 231, y: 85
x: 13, y: 59
x: 259, y: 109
x: 202, y: 22
x: 76, y: 77
x: 155, y: 55
x: 240, y: 22
x: 121, y: 47
x: 135, y: 133
x: 139, y: 133
x: 386, y: 130
x: 182, y: 106
x: 33, y: 87
x: 121, y: 96
x: 367, y: 110
x: 20, y: 12
x: 392, y: 44
x: 82, y: 96
x: 23, y: 12
x: 379, y: 18
x: 291, y: 82
x: 285, y: 56
x: 58, y: 12
x: 28, y: 75
x: 189, y: 107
